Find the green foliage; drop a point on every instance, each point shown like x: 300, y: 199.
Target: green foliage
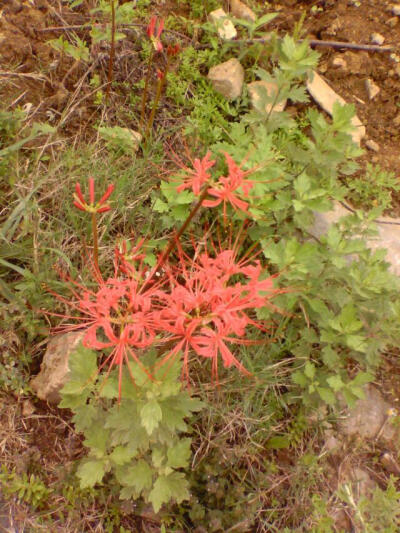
x: 78, y: 49
x: 120, y: 140
x: 27, y: 488
x: 138, y: 441
x: 374, y: 189
x: 376, y: 513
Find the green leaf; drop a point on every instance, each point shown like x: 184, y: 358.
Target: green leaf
x: 139, y: 475
x: 309, y: 370
x: 178, y: 455
x: 151, y: 415
x: 83, y: 370
x: 122, y: 455
x: 174, y: 486
x: 335, y: 382
x: 90, y: 473
x: 327, y: 395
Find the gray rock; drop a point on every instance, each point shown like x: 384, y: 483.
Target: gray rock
x: 369, y: 419
x: 377, y: 38
x: 227, y: 78
x: 388, y: 233
x: 241, y: 11
x: 371, y: 88
x: 372, y: 145
x: 226, y: 29
x: 258, y: 88
x: 325, y: 96
x: 363, y: 484
x: 54, y: 368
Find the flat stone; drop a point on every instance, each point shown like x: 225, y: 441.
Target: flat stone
x: 372, y: 145
x: 388, y: 233
x: 258, y: 89
x: 54, y: 368
x: 377, y: 38
x: 325, y: 96
x: 226, y: 29
x: 369, y: 417
x: 227, y: 78
x: 372, y: 89
x: 241, y: 11
x: 396, y: 10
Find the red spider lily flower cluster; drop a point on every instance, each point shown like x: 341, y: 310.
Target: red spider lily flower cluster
x: 154, y: 32
x: 197, y: 176
x: 202, y: 306
x: 230, y: 189
x: 206, y: 310
x: 92, y: 207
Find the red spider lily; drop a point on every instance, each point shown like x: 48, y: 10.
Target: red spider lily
x: 117, y: 315
x: 197, y: 176
x: 92, y: 207
x: 155, y: 33
x: 229, y: 188
x: 205, y: 310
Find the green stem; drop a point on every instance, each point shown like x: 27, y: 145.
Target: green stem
x: 95, y: 241
x: 175, y: 238
x: 112, y: 52
x: 160, y: 86
x: 146, y: 89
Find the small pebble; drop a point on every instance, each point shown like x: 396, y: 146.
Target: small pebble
x: 372, y: 145
x: 339, y: 62
x: 371, y: 88
x: 377, y: 38
x: 396, y: 10
x: 392, y: 22
x: 396, y: 120
x: 28, y: 408
x: 395, y: 58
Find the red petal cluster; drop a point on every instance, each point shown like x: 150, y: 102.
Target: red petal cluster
x: 200, y: 305
x: 92, y: 207
x: 207, y: 307
x: 229, y: 189
x: 154, y: 32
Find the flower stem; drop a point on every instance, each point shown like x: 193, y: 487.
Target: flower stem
x: 112, y: 51
x: 146, y: 88
x: 95, y: 241
x: 175, y: 238
x: 160, y: 86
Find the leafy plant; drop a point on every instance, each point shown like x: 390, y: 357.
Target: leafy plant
x: 27, y: 488
x: 140, y: 441
x: 373, y: 190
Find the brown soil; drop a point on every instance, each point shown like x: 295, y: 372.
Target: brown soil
x: 343, y: 20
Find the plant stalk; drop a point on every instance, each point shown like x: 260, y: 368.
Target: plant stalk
x: 112, y: 51
x: 175, y: 238
x: 146, y: 89
x: 160, y: 86
x: 95, y: 241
